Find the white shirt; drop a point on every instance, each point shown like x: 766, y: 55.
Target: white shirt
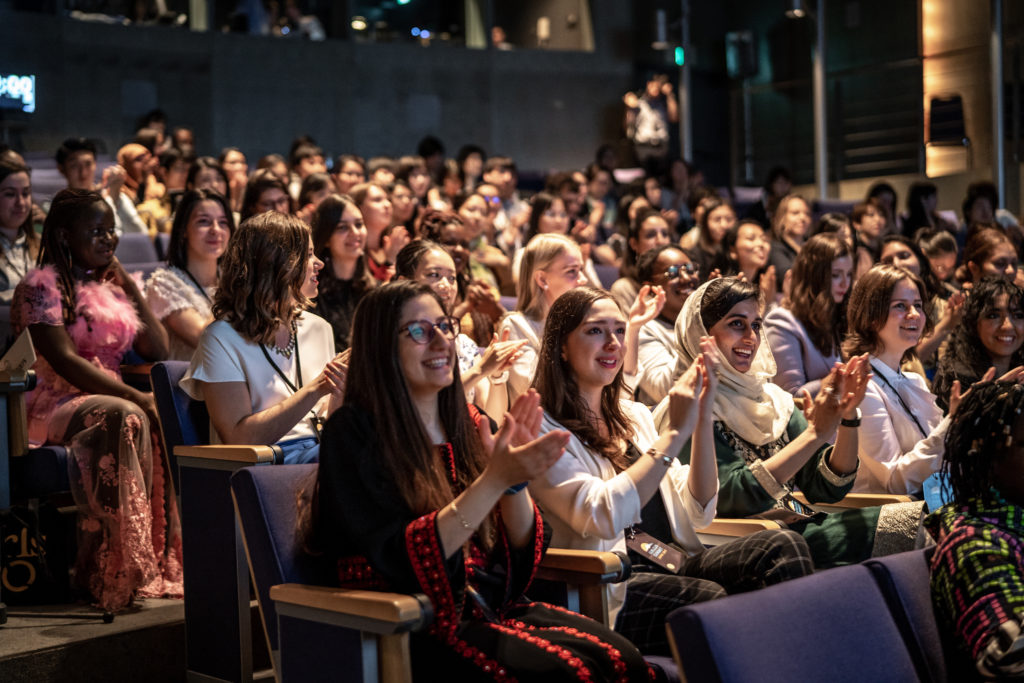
x: 170, y: 290
x: 895, y: 457
x: 589, y: 506
x: 656, y: 361
x: 520, y: 375
x: 223, y: 355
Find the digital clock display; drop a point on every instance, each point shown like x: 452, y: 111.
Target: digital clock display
x: 18, y: 92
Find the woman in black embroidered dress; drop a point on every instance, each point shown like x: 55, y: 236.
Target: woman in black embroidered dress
x: 412, y: 497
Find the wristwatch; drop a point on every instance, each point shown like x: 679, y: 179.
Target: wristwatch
x: 855, y: 422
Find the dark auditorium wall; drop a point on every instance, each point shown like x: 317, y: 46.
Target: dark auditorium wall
x: 548, y: 109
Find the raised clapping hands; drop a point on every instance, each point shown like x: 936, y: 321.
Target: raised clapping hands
x: 841, y: 392
x: 646, y: 307
x: 956, y: 395
x: 332, y: 379
x: 517, y: 454
x: 693, y: 393
x: 500, y: 354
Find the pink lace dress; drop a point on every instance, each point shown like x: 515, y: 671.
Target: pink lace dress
x: 129, y: 533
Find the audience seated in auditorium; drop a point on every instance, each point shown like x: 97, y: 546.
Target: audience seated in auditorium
x: 648, y: 231
x: 619, y: 477
x: 266, y: 367
x: 19, y: 243
x: 381, y: 249
x: 84, y: 312
x: 181, y: 295
x: 766, y: 447
x: 667, y: 267
x: 747, y: 251
x: 902, y: 427
x: 977, y: 570
x: 339, y: 240
x: 551, y: 265
x: 791, y: 224
x: 990, y: 336
x: 413, y: 495
x: 807, y: 329
x: 704, y: 242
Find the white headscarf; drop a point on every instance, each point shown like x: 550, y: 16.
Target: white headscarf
x: 747, y: 402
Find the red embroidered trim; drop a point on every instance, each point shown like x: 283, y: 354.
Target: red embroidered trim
x: 480, y: 659
x: 520, y: 631
x: 538, y: 545
x: 427, y: 559
x: 557, y: 608
x: 356, y: 572
x: 614, y: 653
x: 449, y: 455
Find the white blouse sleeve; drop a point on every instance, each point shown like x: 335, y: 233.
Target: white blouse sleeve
x: 166, y: 293
x: 657, y: 365
x: 881, y: 454
x: 214, y: 361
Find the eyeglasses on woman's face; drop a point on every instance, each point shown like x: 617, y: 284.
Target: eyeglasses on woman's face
x: 424, y: 331
x: 675, y: 270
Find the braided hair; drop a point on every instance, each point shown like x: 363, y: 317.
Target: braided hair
x: 980, y: 435
x: 67, y: 209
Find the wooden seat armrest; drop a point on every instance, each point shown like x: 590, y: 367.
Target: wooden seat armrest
x: 375, y: 611
x: 250, y: 455
x: 860, y: 500
x: 738, y: 527
x: 582, y: 566
x: 137, y: 369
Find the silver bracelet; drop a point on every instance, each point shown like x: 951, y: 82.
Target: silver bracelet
x: 661, y: 456
x: 458, y: 515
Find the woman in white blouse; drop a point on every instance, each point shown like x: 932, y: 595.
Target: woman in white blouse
x: 181, y: 295
x: 19, y: 243
x: 266, y: 366
x: 902, y: 429
x: 618, y: 476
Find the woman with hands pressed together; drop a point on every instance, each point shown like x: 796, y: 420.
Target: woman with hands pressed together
x: 413, y: 496
x: 766, y: 447
x: 266, y: 366
x: 83, y: 313
x: 619, y: 477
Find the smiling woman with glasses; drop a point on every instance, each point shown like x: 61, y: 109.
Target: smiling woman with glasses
x: 429, y: 263
x: 339, y: 240
x: 83, y: 312
x: 670, y: 268
x: 413, y: 494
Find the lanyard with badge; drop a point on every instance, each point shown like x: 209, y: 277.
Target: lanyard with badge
x: 314, y: 419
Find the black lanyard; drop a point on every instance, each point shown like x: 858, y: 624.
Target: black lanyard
x: 314, y: 419
x: 207, y: 297
x: 899, y: 398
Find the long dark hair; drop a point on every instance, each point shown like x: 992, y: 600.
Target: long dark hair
x: 323, y: 223
x: 66, y: 210
x: 810, y: 298
x: 559, y: 392
x: 403, y: 445
x: 966, y: 358
x: 177, y: 247
x: 979, y: 436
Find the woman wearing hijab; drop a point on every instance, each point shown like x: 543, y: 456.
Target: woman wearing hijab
x: 766, y: 447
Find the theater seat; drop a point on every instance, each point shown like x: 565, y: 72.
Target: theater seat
x: 832, y: 626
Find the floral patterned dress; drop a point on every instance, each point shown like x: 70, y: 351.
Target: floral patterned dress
x: 129, y: 533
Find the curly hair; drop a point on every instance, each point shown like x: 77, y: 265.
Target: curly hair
x: 966, y: 358
x: 979, y: 436
x: 868, y: 309
x: 559, y: 392
x: 810, y: 298
x: 261, y: 274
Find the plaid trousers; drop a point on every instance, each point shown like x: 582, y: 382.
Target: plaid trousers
x: 744, y: 564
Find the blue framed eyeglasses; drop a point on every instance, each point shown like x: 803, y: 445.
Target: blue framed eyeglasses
x: 423, y: 331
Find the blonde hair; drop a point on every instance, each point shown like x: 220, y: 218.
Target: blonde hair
x: 539, y: 254
x: 779, y: 217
